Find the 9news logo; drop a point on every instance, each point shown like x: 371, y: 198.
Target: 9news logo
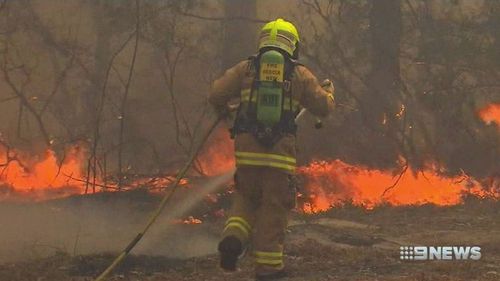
x: 423, y: 253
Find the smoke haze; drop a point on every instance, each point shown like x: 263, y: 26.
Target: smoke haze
x: 106, y: 224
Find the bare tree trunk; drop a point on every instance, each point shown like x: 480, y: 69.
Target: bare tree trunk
x: 92, y: 108
x: 240, y: 34
x: 125, y: 97
x: 494, y: 7
x: 383, y: 101
x: 102, y: 53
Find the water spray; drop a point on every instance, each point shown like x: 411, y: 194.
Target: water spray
x: 168, y: 196
x: 161, y: 206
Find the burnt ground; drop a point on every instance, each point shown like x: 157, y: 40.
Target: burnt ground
x: 347, y: 243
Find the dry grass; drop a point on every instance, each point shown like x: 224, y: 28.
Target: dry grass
x: 344, y: 244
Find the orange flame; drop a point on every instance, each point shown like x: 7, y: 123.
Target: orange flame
x: 327, y: 183
x: 24, y: 176
x: 41, y: 176
x: 490, y: 113
x: 330, y: 183
x: 189, y: 220
x: 218, y: 156
x: 335, y: 182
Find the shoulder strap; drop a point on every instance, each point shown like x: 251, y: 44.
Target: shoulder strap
x: 287, y: 82
x: 253, y: 71
x: 253, y: 62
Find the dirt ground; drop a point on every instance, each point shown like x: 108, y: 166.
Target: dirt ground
x: 347, y: 243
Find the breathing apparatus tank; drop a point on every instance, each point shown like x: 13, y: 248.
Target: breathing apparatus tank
x: 270, y: 88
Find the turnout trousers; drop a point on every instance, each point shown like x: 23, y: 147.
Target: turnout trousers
x: 258, y: 217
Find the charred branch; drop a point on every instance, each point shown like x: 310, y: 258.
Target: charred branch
x: 24, y: 100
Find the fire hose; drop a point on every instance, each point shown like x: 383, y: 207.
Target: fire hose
x: 160, y: 207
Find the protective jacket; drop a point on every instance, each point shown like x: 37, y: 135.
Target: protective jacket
x: 306, y: 92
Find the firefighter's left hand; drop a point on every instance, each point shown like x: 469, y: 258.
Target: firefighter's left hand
x: 327, y: 85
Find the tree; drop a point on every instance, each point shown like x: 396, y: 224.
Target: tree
x: 240, y: 34
x: 382, y: 103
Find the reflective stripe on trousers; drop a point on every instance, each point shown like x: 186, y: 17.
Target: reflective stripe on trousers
x: 238, y: 223
x: 274, y: 259
x: 266, y: 160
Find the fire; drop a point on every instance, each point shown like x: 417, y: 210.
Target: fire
x: 189, y: 220
x: 332, y: 183
x: 218, y: 155
x: 28, y: 176
x: 491, y: 113
x: 326, y: 183
x: 41, y: 176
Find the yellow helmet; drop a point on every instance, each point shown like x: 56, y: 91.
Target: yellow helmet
x: 280, y: 34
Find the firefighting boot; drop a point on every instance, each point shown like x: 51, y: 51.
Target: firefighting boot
x: 230, y: 248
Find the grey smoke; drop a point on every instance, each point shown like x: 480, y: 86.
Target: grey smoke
x: 86, y: 226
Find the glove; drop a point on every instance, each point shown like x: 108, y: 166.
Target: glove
x: 327, y: 85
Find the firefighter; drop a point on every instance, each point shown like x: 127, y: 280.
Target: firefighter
x: 272, y: 88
